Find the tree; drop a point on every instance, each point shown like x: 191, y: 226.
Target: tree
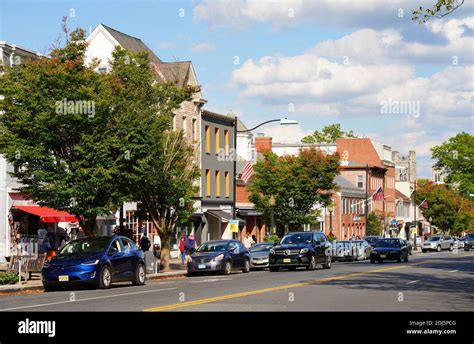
x: 440, y: 9
x: 448, y: 210
x: 455, y: 159
x: 374, y: 225
x: 53, y: 119
x: 329, y: 134
x: 297, y: 183
x: 156, y: 165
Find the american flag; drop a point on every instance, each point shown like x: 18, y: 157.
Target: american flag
x: 378, y: 195
x: 424, y: 204
x: 247, y: 172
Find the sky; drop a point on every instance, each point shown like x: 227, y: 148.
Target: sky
x: 362, y: 63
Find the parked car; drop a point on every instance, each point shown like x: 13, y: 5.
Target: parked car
x: 469, y: 242
x: 362, y: 249
x: 301, y: 249
x: 438, y: 243
x: 220, y: 256
x: 341, y: 250
x: 389, y: 249
x: 98, y: 261
x: 409, y: 246
x: 259, y: 254
x: 372, y: 239
x: 459, y: 242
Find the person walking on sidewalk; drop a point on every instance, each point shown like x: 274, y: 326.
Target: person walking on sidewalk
x: 182, y: 248
x: 145, y: 242
x: 248, y: 241
x: 190, y: 246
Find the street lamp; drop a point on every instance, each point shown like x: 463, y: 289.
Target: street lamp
x: 430, y: 219
x: 272, y: 203
x: 330, y: 208
x: 283, y: 121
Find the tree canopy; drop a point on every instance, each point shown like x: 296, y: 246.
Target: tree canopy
x: 440, y: 9
x: 328, y: 134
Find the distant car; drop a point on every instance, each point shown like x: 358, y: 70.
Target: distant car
x: 389, y: 249
x: 259, y: 255
x: 459, y: 242
x: 301, y: 249
x: 409, y: 246
x: 362, y: 249
x: 438, y: 243
x: 220, y: 256
x: 372, y: 239
x: 98, y: 261
x: 342, y: 250
x: 469, y: 242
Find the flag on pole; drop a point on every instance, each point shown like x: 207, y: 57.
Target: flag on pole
x: 247, y: 172
x: 424, y: 204
x: 378, y: 195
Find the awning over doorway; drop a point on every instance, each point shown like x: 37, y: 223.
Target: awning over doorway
x: 249, y: 212
x: 47, y: 214
x: 224, y: 216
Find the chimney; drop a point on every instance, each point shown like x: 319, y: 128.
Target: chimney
x: 263, y: 144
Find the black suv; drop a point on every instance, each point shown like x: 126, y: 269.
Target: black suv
x: 301, y: 249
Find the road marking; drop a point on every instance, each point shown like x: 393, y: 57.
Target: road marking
x: 86, y: 299
x: 454, y: 270
x: 211, y: 280
x: 282, y: 287
x: 411, y: 282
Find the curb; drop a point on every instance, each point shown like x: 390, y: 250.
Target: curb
x: 15, y: 288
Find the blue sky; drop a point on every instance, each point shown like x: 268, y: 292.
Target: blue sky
x: 335, y: 61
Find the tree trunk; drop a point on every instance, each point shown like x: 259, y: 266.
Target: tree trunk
x: 88, y: 225
x: 165, y: 249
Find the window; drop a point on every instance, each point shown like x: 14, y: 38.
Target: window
x: 102, y: 70
x: 208, y: 139
x: 115, y: 247
x: 227, y: 184
x: 208, y: 183
x: 226, y: 141
x: 184, y: 124
x: 218, y: 183
x: 360, y: 181
x: 217, y: 132
x: 194, y: 129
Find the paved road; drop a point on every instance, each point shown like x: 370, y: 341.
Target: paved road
x: 431, y: 281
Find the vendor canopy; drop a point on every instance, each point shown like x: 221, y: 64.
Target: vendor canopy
x: 47, y: 214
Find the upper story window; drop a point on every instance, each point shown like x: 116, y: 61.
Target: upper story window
x: 207, y: 130
x: 194, y: 129
x: 360, y: 181
x: 184, y: 125
x: 226, y: 141
x: 218, y: 140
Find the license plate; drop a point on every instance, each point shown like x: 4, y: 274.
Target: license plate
x: 201, y: 266
x: 63, y: 278
x: 286, y: 260
x: 383, y: 256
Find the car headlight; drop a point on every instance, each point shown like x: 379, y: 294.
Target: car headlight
x: 304, y: 250
x: 219, y: 257
x: 272, y: 251
x: 92, y: 262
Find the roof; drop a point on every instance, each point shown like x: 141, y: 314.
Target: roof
x: 348, y: 188
x: 400, y: 195
x: 218, y: 116
x: 176, y: 72
x: 132, y: 43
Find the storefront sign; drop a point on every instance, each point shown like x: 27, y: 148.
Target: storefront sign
x: 234, y: 226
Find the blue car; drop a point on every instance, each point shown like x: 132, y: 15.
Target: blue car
x: 96, y: 261
x: 220, y: 256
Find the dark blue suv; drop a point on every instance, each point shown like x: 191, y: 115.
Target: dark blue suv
x: 297, y: 249
x: 220, y: 256
x: 96, y: 261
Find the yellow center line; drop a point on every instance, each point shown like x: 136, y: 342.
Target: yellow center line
x: 282, y: 287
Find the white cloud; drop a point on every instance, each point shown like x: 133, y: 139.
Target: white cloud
x: 285, y: 134
x: 202, y: 48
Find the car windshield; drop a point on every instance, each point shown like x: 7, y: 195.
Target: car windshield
x: 88, y: 245
x: 371, y: 240
x: 470, y: 236
x: 304, y: 238
x: 261, y: 248
x: 434, y: 238
x: 387, y: 243
x: 213, y: 246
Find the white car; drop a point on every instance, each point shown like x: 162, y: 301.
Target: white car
x: 438, y: 243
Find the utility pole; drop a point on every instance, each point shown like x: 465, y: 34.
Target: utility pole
x: 234, y: 180
x: 366, y: 196
x: 414, y: 216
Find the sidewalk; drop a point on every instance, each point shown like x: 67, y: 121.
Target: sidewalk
x: 177, y: 270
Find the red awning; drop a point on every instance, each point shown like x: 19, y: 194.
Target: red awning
x: 47, y: 214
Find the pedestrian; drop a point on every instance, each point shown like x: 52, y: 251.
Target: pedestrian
x: 254, y: 238
x: 182, y: 248
x: 248, y: 241
x: 145, y: 243
x: 189, y: 246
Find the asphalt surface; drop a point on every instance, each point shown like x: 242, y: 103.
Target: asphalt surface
x: 428, y: 282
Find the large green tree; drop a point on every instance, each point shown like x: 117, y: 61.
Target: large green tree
x: 297, y: 183
x: 455, y: 158
x: 449, y: 211
x: 53, y: 119
x: 157, y: 167
x: 328, y: 134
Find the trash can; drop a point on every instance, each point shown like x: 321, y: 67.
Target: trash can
x: 151, y: 263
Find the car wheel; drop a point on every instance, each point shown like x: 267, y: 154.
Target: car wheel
x: 327, y: 264
x: 312, y: 264
x: 140, y: 275
x: 424, y: 251
x: 466, y: 248
x: 246, y: 267
x: 190, y: 274
x: 380, y: 261
x: 105, y: 277
x: 438, y: 248
x: 227, y: 268
x: 451, y: 247
x: 273, y: 268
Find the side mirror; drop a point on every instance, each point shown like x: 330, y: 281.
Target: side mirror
x: 232, y: 249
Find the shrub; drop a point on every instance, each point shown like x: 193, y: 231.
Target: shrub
x: 271, y: 238
x: 8, y: 277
